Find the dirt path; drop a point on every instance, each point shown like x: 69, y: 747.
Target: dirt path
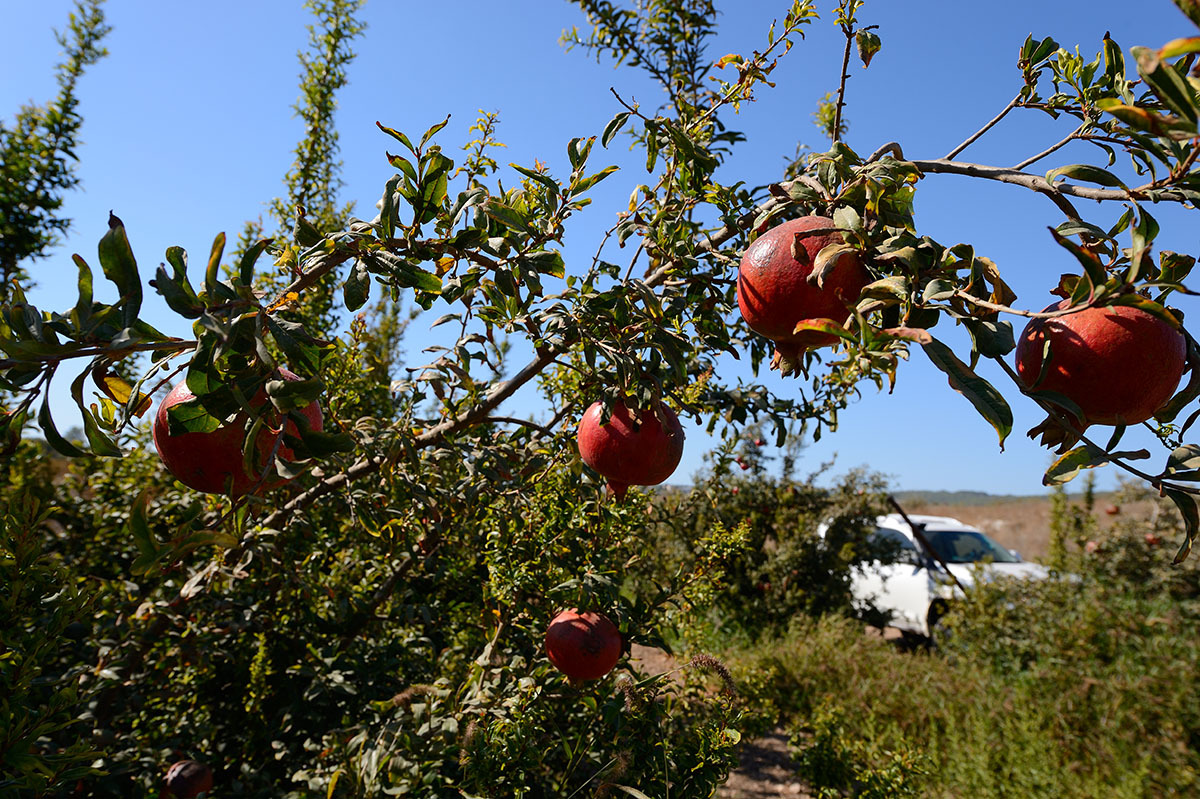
x: 765, y: 770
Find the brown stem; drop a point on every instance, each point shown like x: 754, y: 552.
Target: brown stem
x: 1052, y: 148
x: 975, y: 136
x: 841, y: 101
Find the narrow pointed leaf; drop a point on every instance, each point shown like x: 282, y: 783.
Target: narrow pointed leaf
x: 982, y: 394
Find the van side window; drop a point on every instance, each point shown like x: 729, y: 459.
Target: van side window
x: 891, y: 545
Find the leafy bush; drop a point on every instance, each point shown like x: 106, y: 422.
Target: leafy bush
x: 1077, y: 685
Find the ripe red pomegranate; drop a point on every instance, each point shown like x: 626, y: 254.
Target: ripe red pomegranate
x: 583, y: 646
x: 187, y: 779
x: 212, y: 462
x: 774, y: 292
x: 1118, y: 364
x: 627, y: 456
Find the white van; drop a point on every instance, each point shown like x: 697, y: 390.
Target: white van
x: 915, y: 589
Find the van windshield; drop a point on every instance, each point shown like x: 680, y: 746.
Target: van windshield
x: 967, y: 546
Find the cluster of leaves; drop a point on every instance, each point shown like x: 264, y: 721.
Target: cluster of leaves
x: 37, y: 150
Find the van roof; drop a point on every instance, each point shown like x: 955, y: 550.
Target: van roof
x: 896, y: 521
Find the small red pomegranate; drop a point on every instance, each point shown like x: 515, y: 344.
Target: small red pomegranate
x: 583, y: 646
x: 212, y: 462
x: 1118, y: 363
x: 774, y: 292
x: 625, y: 454
x: 187, y: 779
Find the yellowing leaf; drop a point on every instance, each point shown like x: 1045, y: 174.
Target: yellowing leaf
x: 119, y: 392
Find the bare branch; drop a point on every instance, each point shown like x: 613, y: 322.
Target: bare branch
x: 892, y: 147
x: 975, y: 136
x: 841, y: 101
x: 1053, y: 148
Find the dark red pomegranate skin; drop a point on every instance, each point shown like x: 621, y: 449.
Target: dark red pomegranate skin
x: 583, y: 646
x: 626, y: 456
x: 212, y: 462
x: 1119, y: 364
x: 774, y: 292
x: 187, y: 779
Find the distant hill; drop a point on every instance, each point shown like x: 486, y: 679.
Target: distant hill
x: 974, y: 497
x: 957, y: 497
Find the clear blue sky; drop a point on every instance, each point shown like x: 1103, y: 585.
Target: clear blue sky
x: 189, y: 130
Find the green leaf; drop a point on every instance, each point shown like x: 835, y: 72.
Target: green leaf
x: 319, y: 444
x: 826, y: 260
x: 1167, y: 84
x: 578, y: 150
x: 1186, y: 504
x: 404, y: 165
x: 429, y: 134
x: 246, y: 265
x: 505, y: 215
x: 1153, y: 122
x: 938, y: 290
x: 991, y: 339
x: 83, y: 306
x: 419, y: 278
x: 613, y: 127
x: 100, y: 442
x: 212, y: 273
x: 1178, y: 47
x: 357, y: 288
x: 591, y: 180
x: 178, y: 293
x: 139, y: 525
x: 846, y: 218
x: 1184, y: 463
x: 891, y: 287
x: 868, y: 46
x: 987, y: 400
x: 545, y: 180
x: 117, y: 261
x: 1088, y: 259
x: 1114, y: 59
x: 1091, y: 174
x: 53, y: 437
x: 398, y: 136
x: 302, y: 350
x: 824, y: 326
x: 1082, y: 457
x: 289, y: 395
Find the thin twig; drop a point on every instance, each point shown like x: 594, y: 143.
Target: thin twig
x: 970, y: 140
x: 841, y: 101
x: 993, y: 306
x: 1052, y: 148
x: 522, y: 422
x: 892, y: 147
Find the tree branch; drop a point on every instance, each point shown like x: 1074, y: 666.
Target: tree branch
x: 1052, y: 148
x: 975, y: 136
x: 841, y: 101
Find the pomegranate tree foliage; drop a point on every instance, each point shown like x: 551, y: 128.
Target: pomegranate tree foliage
x: 377, y: 624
